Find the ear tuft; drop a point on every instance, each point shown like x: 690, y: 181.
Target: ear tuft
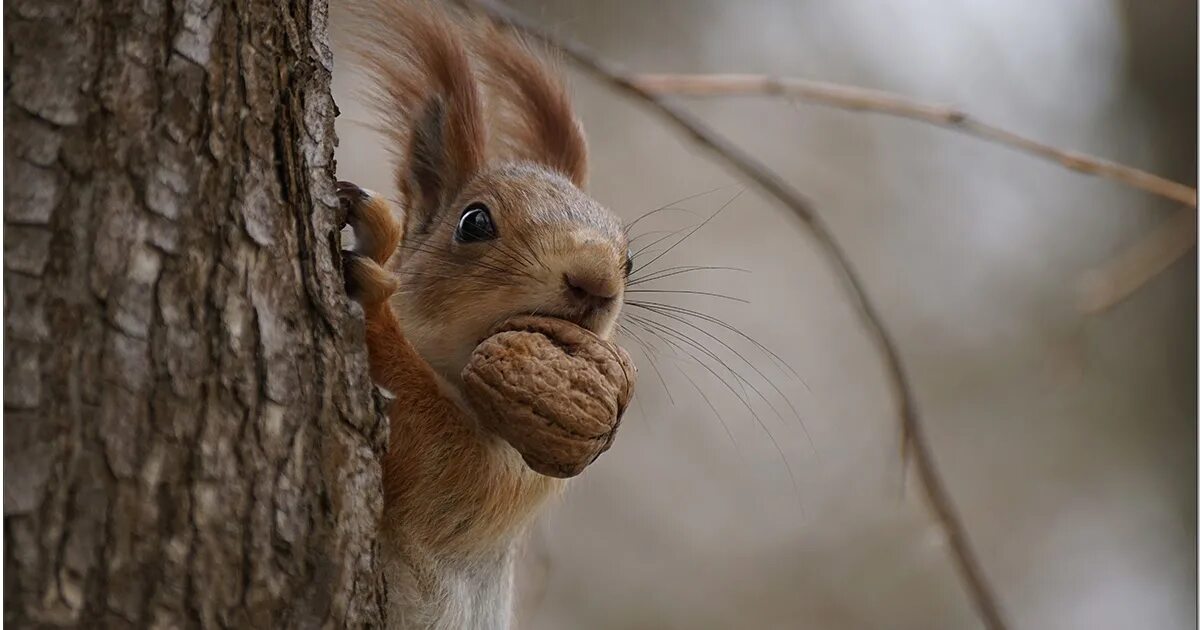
x: 530, y: 104
x: 426, y: 94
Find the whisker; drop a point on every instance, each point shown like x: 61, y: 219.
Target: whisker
x: 496, y: 247
x: 697, y: 228
x: 637, y: 400
x: 688, y: 292
x: 710, y: 406
x: 742, y: 399
x: 634, y: 239
x: 674, y: 203
x: 475, y: 262
x: 675, y: 271
x: 658, y: 373
x: 723, y: 324
x: 741, y: 380
x: 646, y: 348
x: 520, y: 262
x: 666, y: 334
x: 643, y: 249
x: 739, y: 355
x: 529, y: 256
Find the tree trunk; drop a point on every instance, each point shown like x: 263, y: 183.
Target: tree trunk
x: 190, y: 434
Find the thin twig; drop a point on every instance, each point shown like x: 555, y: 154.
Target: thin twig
x: 914, y: 435
x: 862, y: 99
x: 1109, y: 285
x: 1100, y: 291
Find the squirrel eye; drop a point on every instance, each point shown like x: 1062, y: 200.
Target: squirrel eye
x: 628, y: 265
x: 475, y: 225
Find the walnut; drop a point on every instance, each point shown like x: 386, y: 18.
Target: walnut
x: 551, y: 389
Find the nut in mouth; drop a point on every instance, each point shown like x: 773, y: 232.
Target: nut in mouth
x: 553, y: 390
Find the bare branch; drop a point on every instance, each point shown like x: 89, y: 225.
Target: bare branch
x: 1102, y: 288
x: 1106, y: 286
x: 861, y: 99
x: 913, y: 432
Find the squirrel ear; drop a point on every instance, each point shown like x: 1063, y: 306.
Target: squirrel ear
x: 537, y: 119
x: 425, y: 91
x: 425, y: 178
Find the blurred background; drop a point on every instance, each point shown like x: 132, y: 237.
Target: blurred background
x: 1067, y: 440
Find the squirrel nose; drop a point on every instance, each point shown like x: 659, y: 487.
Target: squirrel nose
x: 593, y: 289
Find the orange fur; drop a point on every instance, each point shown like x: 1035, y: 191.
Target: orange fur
x: 386, y: 233
x: 420, y: 66
x: 530, y: 105
x: 455, y: 494
x: 377, y: 231
x: 451, y: 486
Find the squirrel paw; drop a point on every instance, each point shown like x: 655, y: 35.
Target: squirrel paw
x: 376, y: 231
x: 366, y: 282
x: 376, y: 235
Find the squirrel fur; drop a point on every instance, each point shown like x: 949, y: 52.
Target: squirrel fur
x: 478, y: 123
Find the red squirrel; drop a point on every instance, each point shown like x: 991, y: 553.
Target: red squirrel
x: 492, y: 223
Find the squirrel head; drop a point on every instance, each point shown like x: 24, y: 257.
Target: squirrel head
x: 517, y: 239
x: 491, y: 169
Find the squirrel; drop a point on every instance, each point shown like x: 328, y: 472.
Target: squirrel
x: 491, y: 167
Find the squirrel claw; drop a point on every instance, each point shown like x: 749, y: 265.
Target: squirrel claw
x: 376, y: 231
x: 376, y: 236
x: 366, y: 282
x: 349, y: 198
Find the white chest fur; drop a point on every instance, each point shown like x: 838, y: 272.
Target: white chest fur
x: 428, y: 593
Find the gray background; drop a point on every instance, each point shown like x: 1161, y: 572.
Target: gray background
x: 1068, y: 441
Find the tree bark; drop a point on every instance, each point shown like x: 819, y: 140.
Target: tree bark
x: 190, y: 434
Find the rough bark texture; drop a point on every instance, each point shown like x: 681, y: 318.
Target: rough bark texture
x: 190, y: 437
